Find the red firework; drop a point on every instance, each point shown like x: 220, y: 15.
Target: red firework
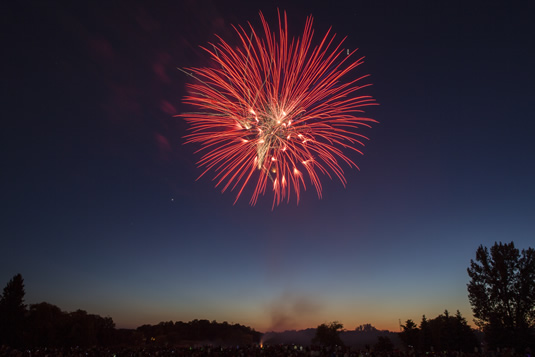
x: 274, y: 111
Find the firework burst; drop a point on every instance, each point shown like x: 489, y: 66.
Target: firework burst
x: 274, y: 113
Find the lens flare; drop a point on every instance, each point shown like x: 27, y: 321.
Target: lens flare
x: 274, y: 112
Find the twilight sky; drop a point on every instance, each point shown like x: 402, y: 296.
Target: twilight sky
x: 102, y: 210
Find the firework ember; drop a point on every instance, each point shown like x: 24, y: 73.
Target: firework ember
x: 275, y: 113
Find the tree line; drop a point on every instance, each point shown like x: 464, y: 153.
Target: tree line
x: 502, y: 294
x: 443, y: 333
x: 46, y: 325
x: 200, y: 331
x: 501, y: 291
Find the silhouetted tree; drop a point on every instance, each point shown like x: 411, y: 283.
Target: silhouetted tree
x: 410, y: 334
x: 464, y: 338
x: 443, y: 333
x: 328, y: 335
x: 452, y: 333
x: 88, y: 330
x: 12, y: 311
x: 425, y: 337
x: 502, y: 294
x: 45, y: 326
x: 447, y: 333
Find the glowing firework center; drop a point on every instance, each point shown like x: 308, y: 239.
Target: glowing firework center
x: 273, y: 132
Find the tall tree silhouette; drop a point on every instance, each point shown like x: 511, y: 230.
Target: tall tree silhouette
x: 502, y: 294
x: 329, y: 335
x: 12, y: 311
x: 425, y: 339
x: 45, y: 326
x: 410, y: 334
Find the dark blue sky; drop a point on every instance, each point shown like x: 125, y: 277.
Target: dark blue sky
x: 102, y: 210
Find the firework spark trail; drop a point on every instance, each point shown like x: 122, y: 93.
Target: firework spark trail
x: 273, y: 110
